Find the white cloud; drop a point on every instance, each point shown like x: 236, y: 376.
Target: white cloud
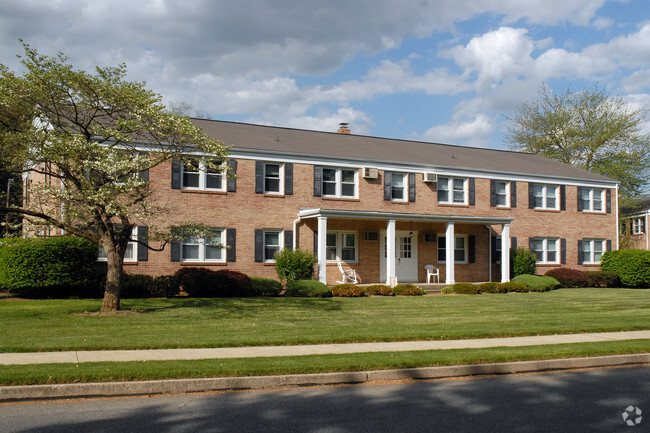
x: 637, y: 81
x: 472, y: 132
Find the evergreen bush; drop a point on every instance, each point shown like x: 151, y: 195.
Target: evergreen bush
x: 538, y: 283
x: 307, y: 289
x: 147, y: 286
x: 408, y: 290
x: 379, y: 290
x: 348, y: 291
x: 569, y: 278
x: 633, y: 266
x: 294, y: 265
x: 206, y: 283
x: 603, y: 279
x: 524, y: 262
x: 491, y: 287
x: 513, y: 286
x: 463, y: 289
x: 265, y: 287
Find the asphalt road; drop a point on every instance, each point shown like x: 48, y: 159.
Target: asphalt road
x: 583, y: 401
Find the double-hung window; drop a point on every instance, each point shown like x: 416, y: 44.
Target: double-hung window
x: 197, y: 175
x: 272, y: 178
x: 591, y: 250
x: 460, y: 249
x: 272, y: 244
x: 339, y: 182
x: 638, y: 225
x: 341, y: 246
x: 545, y: 196
x: 129, y: 256
x: 546, y: 250
x: 452, y: 190
x: 204, y: 249
x: 398, y: 187
x: 502, y: 192
x: 591, y: 199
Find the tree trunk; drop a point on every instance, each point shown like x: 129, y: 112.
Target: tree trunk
x: 113, y: 290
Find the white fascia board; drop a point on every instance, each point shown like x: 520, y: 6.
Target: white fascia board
x: 399, y: 216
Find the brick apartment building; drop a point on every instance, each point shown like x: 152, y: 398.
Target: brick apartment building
x: 382, y: 207
x: 634, y: 226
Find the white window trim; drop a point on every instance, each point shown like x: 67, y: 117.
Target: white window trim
x: 405, y: 187
x: 544, y: 205
x: 203, y: 173
x: 444, y: 247
x: 545, y: 251
x: 280, y: 233
x: 339, y: 183
x: 134, y: 247
x: 636, y: 225
x: 202, y: 245
x: 339, y: 245
x: 507, y: 182
x: 280, y: 190
x: 592, y: 192
x: 450, y: 191
x: 592, y: 250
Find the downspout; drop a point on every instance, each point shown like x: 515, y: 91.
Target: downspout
x: 617, y: 222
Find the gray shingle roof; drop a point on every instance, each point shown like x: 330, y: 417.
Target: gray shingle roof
x: 373, y: 149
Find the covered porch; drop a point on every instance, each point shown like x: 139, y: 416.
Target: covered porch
x: 393, y: 247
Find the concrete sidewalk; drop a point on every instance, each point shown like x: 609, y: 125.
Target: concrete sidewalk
x: 76, y: 357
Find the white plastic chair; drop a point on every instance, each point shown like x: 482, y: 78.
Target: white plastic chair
x: 432, y: 271
x: 347, y: 276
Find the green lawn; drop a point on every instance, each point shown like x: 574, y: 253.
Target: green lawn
x: 184, y: 322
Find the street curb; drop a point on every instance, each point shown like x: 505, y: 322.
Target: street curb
x: 182, y: 386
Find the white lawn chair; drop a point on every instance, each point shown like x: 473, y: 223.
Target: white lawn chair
x: 432, y: 271
x: 349, y: 276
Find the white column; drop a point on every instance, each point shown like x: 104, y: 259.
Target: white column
x: 391, y: 277
x: 322, y: 249
x: 489, y: 253
x: 450, y: 249
x: 505, y: 253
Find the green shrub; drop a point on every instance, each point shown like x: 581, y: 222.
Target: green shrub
x: 603, y: 279
x: 348, y: 291
x: 408, y: 290
x: 513, y: 286
x: 206, y: 283
x: 538, y: 283
x: 294, y: 265
x: 146, y: 286
x: 633, y: 266
x: 379, y: 290
x: 307, y: 289
x: 464, y: 289
x: 55, y: 267
x: 523, y: 262
x: 491, y: 287
x: 447, y: 290
x: 265, y: 286
x: 569, y: 278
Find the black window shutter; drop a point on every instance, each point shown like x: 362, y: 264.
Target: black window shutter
x: 232, y: 182
x: 231, y: 245
x: 175, y: 248
x: 144, y: 174
x: 259, y: 177
x: 259, y: 245
x: 562, y: 197
x: 531, y: 198
x: 642, y: 225
x: 318, y: 180
x: 513, y: 194
x: 493, y: 248
x: 493, y: 192
x: 472, y: 191
x: 288, y: 239
x: 513, y: 243
x: 608, y: 195
x: 580, y: 258
x: 176, y: 174
x: 471, y: 249
x: 387, y: 189
x: 316, y: 243
x: 563, y: 251
x: 411, y: 187
x: 609, y: 244
x: 288, y: 178
x: 530, y: 243
x: 143, y: 243
x: 580, y: 209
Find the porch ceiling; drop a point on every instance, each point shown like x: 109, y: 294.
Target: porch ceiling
x: 399, y: 216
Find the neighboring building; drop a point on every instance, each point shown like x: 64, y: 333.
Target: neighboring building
x: 634, y: 225
x: 383, y: 207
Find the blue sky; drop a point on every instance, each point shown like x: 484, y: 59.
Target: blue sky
x: 445, y: 71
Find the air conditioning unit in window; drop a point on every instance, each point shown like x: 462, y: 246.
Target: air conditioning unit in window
x: 430, y: 178
x: 370, y: 173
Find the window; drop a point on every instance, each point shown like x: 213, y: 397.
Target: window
x: 398, y: 187
x: 546, y: 250
x: 196, y: 175
x: 638, y: 225
x: 591, y: 199
x: 591, y: 250
x: 460, y: 249
x: 207, y: 249
x: 452, y: 190
x: 545, y: 196
x: 272, y: 178
x: 272, y: 242
x: 339, y: 182
x: 129, y: 256
x: 341, y: 246
x: 501, y: 191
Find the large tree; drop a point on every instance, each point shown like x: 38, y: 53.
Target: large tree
x: 588, y: 129
x: 88, y: 141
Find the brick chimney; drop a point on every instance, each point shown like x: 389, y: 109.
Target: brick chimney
x: 343, y: 128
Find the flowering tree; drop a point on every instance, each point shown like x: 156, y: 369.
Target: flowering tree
x: 90, y: 141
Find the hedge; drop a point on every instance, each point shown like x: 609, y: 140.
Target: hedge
x: 307, y: 289
x: 408, y: 290
x: 348, y: 291
x: 54, y: 267
x: 146, y: 286
x: 569, y: 278
x: 538, y: 283
x: 265, y: 287
x: 633, y: 266
x: 603, y: 279
x: 379, y: 290
x: 206, y: 283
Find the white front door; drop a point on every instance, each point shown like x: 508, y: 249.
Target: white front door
x: 406, y: 256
